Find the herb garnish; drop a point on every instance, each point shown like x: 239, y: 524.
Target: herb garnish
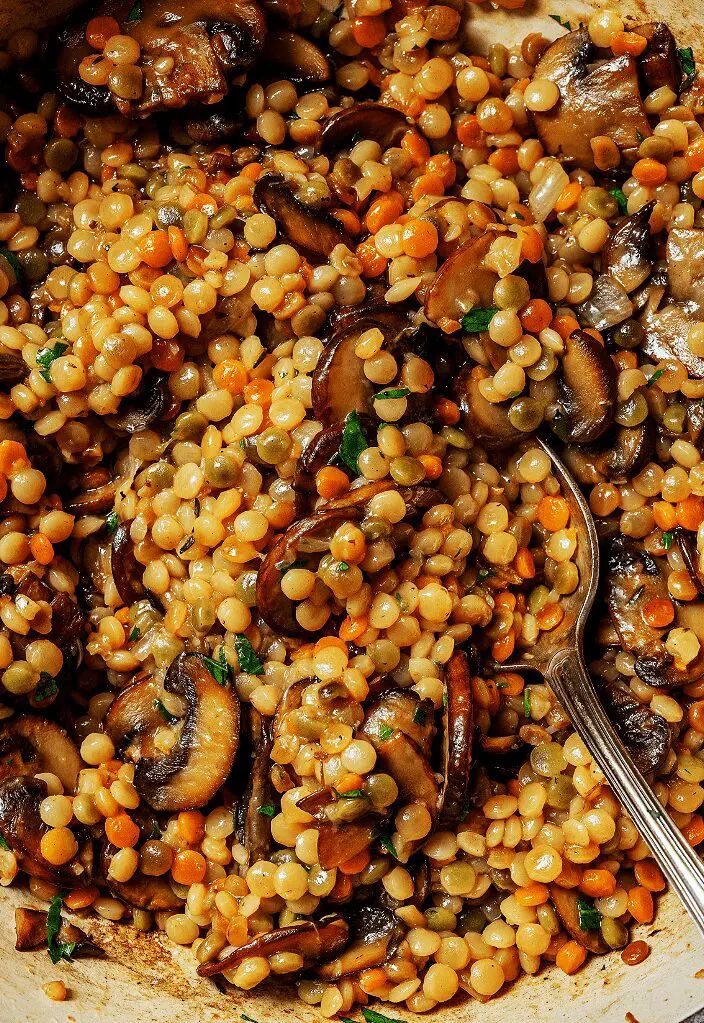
x: 287, y: 568
x: 689, y: 67
x: 249, y: 661
x: 621, y: 200
x: 656, y: 376
x: 170, y: 718
x: 526, y: 702
x: 3, y: 843
x: 45, y: 357
x: 640, y: 137
x: 48, y: 687
x: 268, y: 810
x: 419, y: 716
x: 57, y: 949
x: 134, y: 633
x: 561, y: 21
x: 111, y: 522
x: 392, y: 392
x: 221, y: 669
x: 136, y: 11
x: 352, y: 794
x: 14, y: 262
x: 477, y: 320
x: 343, y: 567
x: 388, y: 846
x: 589, y: 917
x: 385, y: 732
x: 353, y: 442
x: 667, y: 539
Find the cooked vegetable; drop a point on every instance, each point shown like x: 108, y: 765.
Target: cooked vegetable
x: 309, y: 228
x: 314, y: 941
x: 33, y: 745
x: 588, y: 388
x: 385, y: 125
x: 581, y: 921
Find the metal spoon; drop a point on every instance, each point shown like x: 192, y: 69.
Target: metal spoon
x: 558, y: 656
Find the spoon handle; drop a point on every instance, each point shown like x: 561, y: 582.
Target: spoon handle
x: 571, y: 684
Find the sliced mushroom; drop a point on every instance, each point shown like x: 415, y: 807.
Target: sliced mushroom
x: 630, y: 451
x: 142, y: 891
x: 207, y: 41
x: 13, y: 368
x: 687, y: 544
x: 315, y: 941
x: 402, y: 758
x: 302, y: 60
x: 487, y: 422
x: 629, y: 253
x: 338, y: 843
x: 666, y: 337
x: 31, y: 930
x: 375, y: 934
x: 141, y: 409
x: 502, y: 755
x: 685, y: 269
x: 385, y: 125
x: 462, y: 283
x: 311, y: 229
x: 565, y: 902
x: 32, y: 745
x: 94, y: 500
x: 207, y: 742
x: 588, y: 390
x: 254, y: 826
x: 22, y: 829
x: 126, y: 570
x: 404, y: 710
x: 67, y: 618
x: 457, y: 741
x: 597, y: 97
x: 659, y: 65
x: 607, y: 305
x: 645, y: 734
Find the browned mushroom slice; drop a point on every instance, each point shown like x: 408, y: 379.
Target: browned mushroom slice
x: 588, y: 388
x: 487, y: 422
x: 253, y: 823
x: 685, y: 269
x: 629, y: 254
x: 368, y: 120
x: 314, y: 940
x: 309, y: 228
x: 207, y: 742
x: 693, y: 562
x: 659, y: 64
x: 375, y: 935
x: 457, y: 740
x: 13, y: 368
x: 566, y: 903
x: 141, y: 891
x: 67, y: 618
x: 404, y: 710
x: 31, y: 930
x: 22, y: 829
x: 404, y: 761
x: 666, y: 337
x: 338, y: 843
x: 695, y: 423
x: 597, y: 97
x: 94, y: 500
x: 31, y: 745
x: 299, y: 57
x: 462, y: 283
x: 645, y: 734
x: 141, y: 409
x: 126, y: 570
x: 631, y: 450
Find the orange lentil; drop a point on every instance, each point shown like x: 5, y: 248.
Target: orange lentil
x: 447, y: 411
x: 659, y: 612
x: 648, y: 875
x: 686, y: 590
x: 419, y: 238
x: 550, y: 616
x: 348, y: 218
x: 570, y: 957
x: 635, y: 953
x: 191, y: 826
x: 415, y: 146
x: 664, y: 515
x: 432, y: 465
x: 468, y: 131
x: 535, y: 894
x: 331, y: 482
x: 524, y: 563
x: 649, y: 171
x: 369, y: 31
x: 511, y: 684
x: 67, y: 122
x: 427, y: 184
x: 41, y: 548
x: 350, y: 783
x: 595, y: 334
x: 531, y: 244
x: 81, y: 898
x: 535, y: 316
x: 506, y: 599
x: 281, y: 514
x: 188, y: 867
x: 553, y: 512
x: 258, y: 392
x: 569, y: 197
x: 565, y: 325
x: 505, y: 160
x: 99, y: 30
x: 694, y: 831
x: 356, y: 864
x: 353, y: 628
x: 253, y: 171
x: 690, y: 512
x: 598, y: 884
x: 177, y: 243
x: 167, y: 355
x: 123, y: 615
x: 231, y: 374
x: 628, y: 42
x: 372, y: 980
x: 640, y: 905
x: 444, y: 165
x: 502, y: 648
x: 342, y: 889
x: 570, y: 875
x: 13, y: 457
x: 327, y: 641
x: 694, y: 154
x: 373, y: 263
x: 154, y: 249
x: 384, y: 210
x: 122, y: 831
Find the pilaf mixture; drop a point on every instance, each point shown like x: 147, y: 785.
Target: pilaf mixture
x: 286, y: 293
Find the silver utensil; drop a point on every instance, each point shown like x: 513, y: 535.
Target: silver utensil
x: 558, y: 656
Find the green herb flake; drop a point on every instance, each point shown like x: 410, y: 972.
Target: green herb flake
x: 444, y: 699
x: 689, y: 67
x: 483, y: 573
x: 136, y: 11
x: 221, y: 669
x: 268, y: 810
x: 111, y: 522
x: 655, y: 377
x: 621, y: 200
x: 589, y: 917
x: 419, y: 716
x: 4, y: 844
x: 352, y: 794
x: 526, y: 702
x: 343, y: 567
x: 353, y: 442
x: 391, y: 393
x: 388, y: 846
x: 477, y: 320
x: 640, y: 137
x: 13, y: 262
x: 45, y: 357
x: 170, y: 718
x: 134, y: 633
x: 287, y: 568
x: 371, y: 1016
x: 385, y: 732
x: 502, y: 685
x: 561, y: 21
x: 667, y: 539
x: 249, y: 662
x: 48, y: 687
x: 58, y: 950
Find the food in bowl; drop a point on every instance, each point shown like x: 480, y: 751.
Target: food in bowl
x: 287, y: 295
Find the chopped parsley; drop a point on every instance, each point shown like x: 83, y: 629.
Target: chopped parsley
x: 385, y: 732
x: 268, y: 810
x: 136, y: 11
x: 561, y: 21
x: 689, y: 67
x: 57, y: 949
x: 483, y: 573
x: 392, y: 392
x: 667, y: 539
x: 187, y: 544
x: 352, y: 794
x: 4, y: 844
x: 14, y: 262
x: 221, y: 669
x: 589, y: 917
x: 388, y: 846
x: 477, y: 320
x: 45, y: 357
x: 353, y: 442
x: 343, y: 567
x: 419, y: 716
x: 640, y: 137
x: 621, y: 200
x: 371, y: 1016
x: 48, y: 687
x: 445, y: 699
x: 134, y: 633
x: 287, y: 568
x: 170, y: 718
x: 249, y: 661
x: 526, y: 702
x: 655, y: 377
x: 111, y: 522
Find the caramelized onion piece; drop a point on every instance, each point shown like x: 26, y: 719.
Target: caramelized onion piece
x: 565, y: 902
x: 645, y: 734
x: 314, y: 940
x: 588, y: 388
x: 206, y: 747
x: 299, y: 57
x: 457, y: 741
x: 338, y: 843
x: 687, y: 544
x: 95, y: 500
x: 607, y: 305
x: 32, y: 745
x: 254, y: 827
x: 368, y: 120
x: 597, y: 97
x: 308, y: 228
x: 487, y: 422
x: 375, y: 934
